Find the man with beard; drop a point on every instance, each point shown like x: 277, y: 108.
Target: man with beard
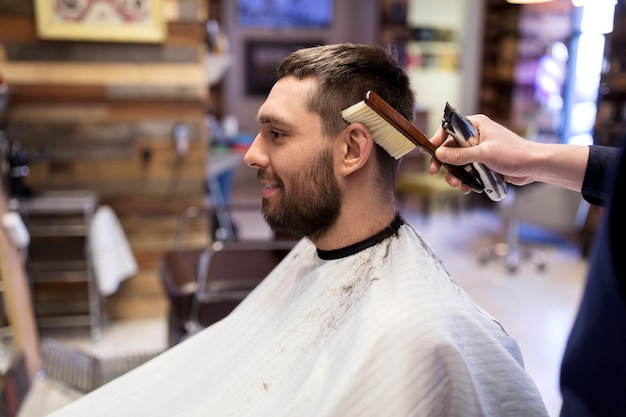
x: 360, y: 318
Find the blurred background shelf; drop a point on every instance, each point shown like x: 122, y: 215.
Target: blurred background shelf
x: 58, y: 263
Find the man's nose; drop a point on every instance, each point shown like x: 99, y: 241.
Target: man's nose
x: 256, y: 157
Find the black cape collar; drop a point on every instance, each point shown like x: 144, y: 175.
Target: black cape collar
x: 391, y: 230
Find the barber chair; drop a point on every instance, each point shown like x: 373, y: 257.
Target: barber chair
x: 511, y: 249
x: 205, y: 284
x: 558, y: 211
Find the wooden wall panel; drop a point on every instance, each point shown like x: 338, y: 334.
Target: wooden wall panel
x: 95, y: 73
x: 100, y: 116
x: 100, y: 53
x: 17, y: 28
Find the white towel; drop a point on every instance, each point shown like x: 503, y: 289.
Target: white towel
x: 110, y: 252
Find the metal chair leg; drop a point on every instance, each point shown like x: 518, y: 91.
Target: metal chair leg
x: 511, y: 250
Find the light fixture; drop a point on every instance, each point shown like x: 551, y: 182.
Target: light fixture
x: 527, y: 1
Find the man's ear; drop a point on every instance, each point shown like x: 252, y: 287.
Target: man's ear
x: 356, y: 146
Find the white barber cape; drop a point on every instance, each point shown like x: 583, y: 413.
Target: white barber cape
x: 383, y: 332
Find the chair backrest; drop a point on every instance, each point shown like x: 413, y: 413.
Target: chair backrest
x: 553, y: 208
x: 228, y: 271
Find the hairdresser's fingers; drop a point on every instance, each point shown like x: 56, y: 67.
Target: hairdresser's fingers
x: 466, y: 189
x: 455, y: 183
x: 452, y: 181
x: 443, y: 141
x: 439, y: 137
x: 434, y: 166
x: 457, y: 155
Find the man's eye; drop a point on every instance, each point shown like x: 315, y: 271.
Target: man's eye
x: 276, y: 135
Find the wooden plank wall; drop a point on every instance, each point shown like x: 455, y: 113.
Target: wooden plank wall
x: 100, y: 116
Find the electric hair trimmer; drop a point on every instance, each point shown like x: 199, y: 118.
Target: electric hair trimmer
x: 462, y: 130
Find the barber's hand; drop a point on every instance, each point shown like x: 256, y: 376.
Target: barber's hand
x: 500, y: 149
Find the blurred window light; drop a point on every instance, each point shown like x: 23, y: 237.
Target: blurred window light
x: 597, y: 16
x: 527, y: 1
x: 596, y: 20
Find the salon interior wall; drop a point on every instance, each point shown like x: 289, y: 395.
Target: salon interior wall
x: 99, y: 116
x: 453, y: 74
x: 354, y: 21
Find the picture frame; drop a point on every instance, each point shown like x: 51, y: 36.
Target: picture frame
x: 303, y: 14
x: 262, y: 58
x: 101, y: 20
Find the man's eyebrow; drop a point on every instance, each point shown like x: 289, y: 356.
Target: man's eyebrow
x: 272, y: 119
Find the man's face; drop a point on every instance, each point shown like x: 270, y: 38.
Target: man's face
x: 295, y: 163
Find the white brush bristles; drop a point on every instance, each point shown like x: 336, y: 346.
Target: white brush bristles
x: 384, y: 134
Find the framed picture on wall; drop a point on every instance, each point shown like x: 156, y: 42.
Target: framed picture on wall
x: 261, y: 60
x: 101, y: 20
x: 302, y: 14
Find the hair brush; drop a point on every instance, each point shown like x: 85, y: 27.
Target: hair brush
x: 398, y: 136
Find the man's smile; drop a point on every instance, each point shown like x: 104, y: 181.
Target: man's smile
x: 270, y: 188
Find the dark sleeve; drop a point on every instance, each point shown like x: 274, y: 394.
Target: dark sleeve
x: 602, y: 162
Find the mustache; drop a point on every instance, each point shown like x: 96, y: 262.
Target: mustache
x: 263, y: 175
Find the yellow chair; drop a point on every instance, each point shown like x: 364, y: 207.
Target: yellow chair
x: 428, y: 189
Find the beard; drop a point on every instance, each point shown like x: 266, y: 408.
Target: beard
x: 312, y: 204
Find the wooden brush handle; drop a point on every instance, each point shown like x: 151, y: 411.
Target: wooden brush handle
x: 464, y: 173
